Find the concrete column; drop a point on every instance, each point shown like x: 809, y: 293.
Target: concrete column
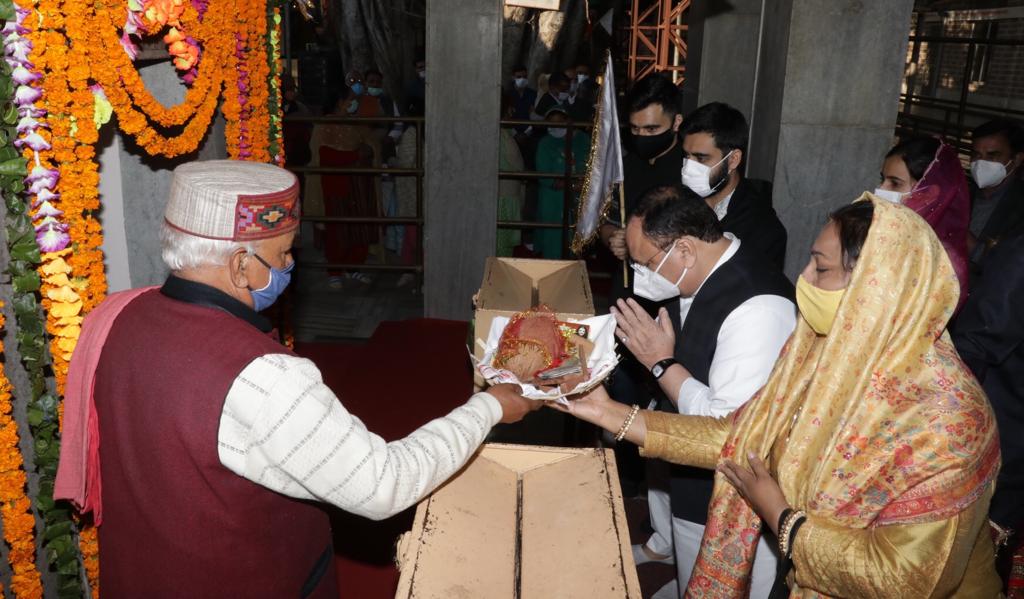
x: 723, y: 49
x: 461, y: 155
x: 137, y: 184
x: 825, y: 106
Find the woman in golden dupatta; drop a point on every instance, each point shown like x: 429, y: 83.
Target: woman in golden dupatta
x: 869, y: 423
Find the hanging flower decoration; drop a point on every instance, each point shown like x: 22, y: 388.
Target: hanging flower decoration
x: 15, y: 505
x: 274, y: 108
x: 71, y: 69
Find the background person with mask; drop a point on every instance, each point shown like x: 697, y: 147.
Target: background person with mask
x: 715, y: 147
x: 710, y: 350
x: 654, y: 156
x: 552, y: 158
x: 522, y: 96
x: 997, y: 153
x: 925, y: 175
x: 557, y: 95
x: 217, y: 437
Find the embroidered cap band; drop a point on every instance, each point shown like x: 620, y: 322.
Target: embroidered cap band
x: 233, y: 200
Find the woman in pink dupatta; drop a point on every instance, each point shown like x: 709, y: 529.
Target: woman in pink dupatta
x: 925, y: 175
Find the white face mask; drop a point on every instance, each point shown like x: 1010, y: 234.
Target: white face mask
x: 563, y: 96
x: 581, y: 77
x: 557, y: 132
x: 988, y: 173
x: 887, y: 194
x: 697, y: 176
x: 520, y: 82
x: 650, y: 285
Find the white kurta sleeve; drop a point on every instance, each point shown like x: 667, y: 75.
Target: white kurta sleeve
x: 749, y: 343
x: 282, y: 428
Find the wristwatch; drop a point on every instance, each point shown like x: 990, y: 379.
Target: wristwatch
x: 661, y: 366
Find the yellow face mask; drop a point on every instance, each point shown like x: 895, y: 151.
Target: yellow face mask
x: 818, y: 306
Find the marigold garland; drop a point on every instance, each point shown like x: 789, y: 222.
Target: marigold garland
x: 120, y: 71
x: 15, y: 508
x: 80, y: 51
x: 275, y: 110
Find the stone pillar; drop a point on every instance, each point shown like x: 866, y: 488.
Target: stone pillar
x: 825, y: 106
x: 461, y: 155
x: 722, y: 60
x: 134, y: 189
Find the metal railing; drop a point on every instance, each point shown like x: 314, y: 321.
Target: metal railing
x: 416, y: 171
x: 953, y: 124
x: 567, y: 223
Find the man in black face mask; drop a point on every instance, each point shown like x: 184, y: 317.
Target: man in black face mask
x: 654, y: 158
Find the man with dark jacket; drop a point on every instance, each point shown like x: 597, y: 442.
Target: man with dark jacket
x: 997, y: 204
x: 715, y: 147
x: 989, y: 336
x: 726, y: 315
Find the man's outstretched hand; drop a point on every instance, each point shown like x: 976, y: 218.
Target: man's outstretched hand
x: 513, y: 405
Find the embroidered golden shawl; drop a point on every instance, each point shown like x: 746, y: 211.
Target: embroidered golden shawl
x: 879, y: 423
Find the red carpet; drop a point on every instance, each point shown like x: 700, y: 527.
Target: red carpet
x: 377, y: 382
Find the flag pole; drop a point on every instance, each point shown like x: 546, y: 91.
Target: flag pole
x: 622, y: 219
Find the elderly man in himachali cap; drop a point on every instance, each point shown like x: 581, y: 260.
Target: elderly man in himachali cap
x: 213, y: 442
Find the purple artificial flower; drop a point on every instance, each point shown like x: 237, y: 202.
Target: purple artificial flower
x: 133, y: 23
x: 49, y: 222
x: 26, y: 95
x: 32, y: 111
x: 28, y: 124
x: 34, y: 141
x: 129, y: 46
x: 44, y: 195
x: 23, y: 76
x: 19, y: 49
x: 52, y: 239
x: 47, y: 210
x: 41, y: 178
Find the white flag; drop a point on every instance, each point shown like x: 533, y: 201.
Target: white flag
x: 604, y: 169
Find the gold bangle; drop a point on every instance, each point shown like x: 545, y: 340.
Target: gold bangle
x: 787, y: 529
x: 625, y: 425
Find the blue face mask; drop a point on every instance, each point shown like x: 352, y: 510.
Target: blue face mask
x: 358, y: 88
x: 375, y: 91
x: 264, y: 297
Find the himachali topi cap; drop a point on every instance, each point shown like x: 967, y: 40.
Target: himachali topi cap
x: 233, y: 200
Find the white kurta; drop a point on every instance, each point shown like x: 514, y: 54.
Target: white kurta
x: 283, y: 428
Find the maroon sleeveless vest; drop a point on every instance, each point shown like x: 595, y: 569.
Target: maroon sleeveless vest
x: 177, y: 523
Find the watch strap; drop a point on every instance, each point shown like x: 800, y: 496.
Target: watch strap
x: 661, y: 366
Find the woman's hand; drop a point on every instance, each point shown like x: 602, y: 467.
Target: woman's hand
x: 596, y: 407
x: 650, y: 340
x: 758, y: 487
x: 591, y: 406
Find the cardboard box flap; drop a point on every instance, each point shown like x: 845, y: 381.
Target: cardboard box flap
x: 478, y: 537
x: 526, y: 523
x: 568, y: 289
x: 570, y: 533
x: 506, y: 287
x: 522, y: 458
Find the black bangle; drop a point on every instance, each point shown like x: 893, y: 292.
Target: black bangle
x: 792, y: 535
x: 782, y: 520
